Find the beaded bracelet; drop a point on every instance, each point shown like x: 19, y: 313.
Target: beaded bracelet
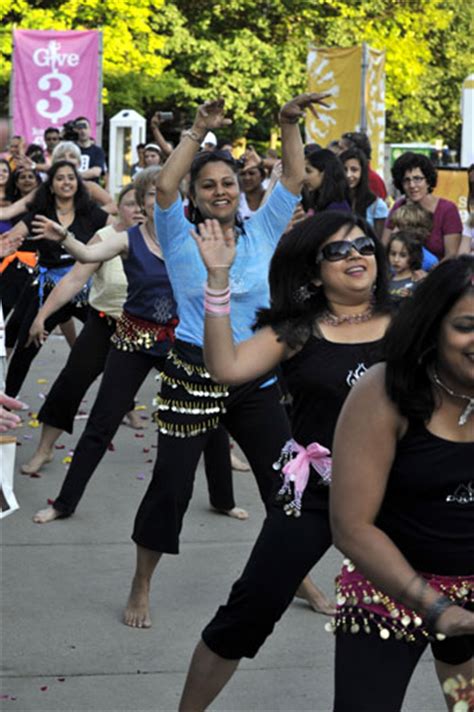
x: 434, y: 612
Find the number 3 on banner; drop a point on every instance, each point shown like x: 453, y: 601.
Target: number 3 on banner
x: 66, y: 103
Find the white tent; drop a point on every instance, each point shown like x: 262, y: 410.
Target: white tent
x: 127, y: 129
x: 467, y: 111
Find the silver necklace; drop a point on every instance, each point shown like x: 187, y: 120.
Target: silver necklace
x: 468, y: 410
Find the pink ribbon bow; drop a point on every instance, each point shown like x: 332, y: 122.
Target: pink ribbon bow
x: 297, y: 469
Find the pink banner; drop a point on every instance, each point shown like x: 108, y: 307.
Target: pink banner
x: 55, y: 79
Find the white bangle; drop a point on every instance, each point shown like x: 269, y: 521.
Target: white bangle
x: 193, y: 135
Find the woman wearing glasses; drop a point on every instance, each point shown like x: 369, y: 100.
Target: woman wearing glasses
x: 326, y: 324
x: 415, y: 176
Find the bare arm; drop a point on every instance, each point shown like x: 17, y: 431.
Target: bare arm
x: 209, y: 116
x: 227, y: 362
x: 18, y: 207
x: 452, y: 244
x: 102, y: 251
x: 166, y: 148
x: 94, y: 172
x: 379, y: 227
x: 62, y: 293
x: 360, y: 476
x: 101, y: 197
x: 386, y: 235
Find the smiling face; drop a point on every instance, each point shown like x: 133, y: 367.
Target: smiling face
x: 216, y: 192
x: 64, y: 183
x: 456, y: 345
x: 398, y: 257
x: 4, y: 174
x: 350, y: 280
x: 353, y: 171
x: 415, y: 185
x: 26, y: 182
x: 313, y: 177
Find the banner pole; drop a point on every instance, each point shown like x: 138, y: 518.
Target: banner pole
x: 100, y: 110
x: 363, y: 88
x: 10, y: 90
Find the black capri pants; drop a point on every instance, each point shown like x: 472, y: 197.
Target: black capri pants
x: 286, y: 550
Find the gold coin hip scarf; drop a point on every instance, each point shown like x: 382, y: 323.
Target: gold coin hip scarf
x: 134, y: 334
x: 190, y: 402
x: 361, y: 608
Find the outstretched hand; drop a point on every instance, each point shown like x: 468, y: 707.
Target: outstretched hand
x: 43, y: 227
x: 216, y: 246
x: 211, y: 115
x: 294, y: 110
x: 9, y: 420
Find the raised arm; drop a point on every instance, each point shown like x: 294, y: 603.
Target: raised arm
x: 166, y: 148
x: 100, y: 252
x: 70, y: 285
x: 227, y: 362
x: 209, y: 116
x: 293, y: 169
x: 359, y: 480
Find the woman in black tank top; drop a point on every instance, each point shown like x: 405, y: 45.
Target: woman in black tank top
x: 402, y: 509
x: 326, y: 322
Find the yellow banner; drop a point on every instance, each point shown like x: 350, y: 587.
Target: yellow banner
x: 453, y: 185
x: 337, y: 71
x: 375, y: 106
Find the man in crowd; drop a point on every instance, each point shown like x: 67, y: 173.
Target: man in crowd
x: 93, y: 163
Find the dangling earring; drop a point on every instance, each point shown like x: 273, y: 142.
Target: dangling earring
x: 302, y: 294
x: 424, y: 354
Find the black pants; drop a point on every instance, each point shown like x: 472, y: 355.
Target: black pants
x: 23, y: 357
x: 86, y: 361
x: 256, y: 421
x: 124, y: 373
x: 13, y: 282
x: 372, y: 675
x: 286, y: 550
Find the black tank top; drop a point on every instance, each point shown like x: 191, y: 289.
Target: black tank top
x: 319, y: 378
x: 428, y: 509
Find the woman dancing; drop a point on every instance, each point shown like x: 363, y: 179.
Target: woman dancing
x: 191, y: 405
x: 144, y: 333
x: 64, y: 200
x: 88, y: 355
x: 326, y: 323
x: 402, y: 508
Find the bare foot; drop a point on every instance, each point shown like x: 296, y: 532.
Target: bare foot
x: 39, y: 459
x: 137, y: 612
x: 235, y: 512
x: 44, y: 516
x: 133, y: 420
x: 316, y: 598
x: 238, y: 464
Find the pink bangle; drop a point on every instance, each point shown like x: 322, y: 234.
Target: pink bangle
x: 216, y: 292
x: 214, y: 310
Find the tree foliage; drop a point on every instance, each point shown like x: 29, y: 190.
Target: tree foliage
x: 253, y: 52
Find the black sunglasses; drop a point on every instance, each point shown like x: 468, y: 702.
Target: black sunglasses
x: 335, y: 251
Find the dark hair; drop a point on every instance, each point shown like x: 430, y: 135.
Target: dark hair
x: 258, y: 166
x: 50, y: 130
x: 407, y: 162
x: 294, y: 267
x: 43, y: 201
x: 35, y: 152
x: 334, y: 187
x: 360, y: 140
x: 413, y: 246
x: 411, y: 341
x: 310, y: 147
x: 361, y: 196
x: 12, y: 192
x: 6, y: 163
x: 140, y: 145
x: 201, y: 160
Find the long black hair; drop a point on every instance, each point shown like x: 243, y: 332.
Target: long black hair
x: 411, y: 340
x: 334, y: 188
x: 293, y: 270
x: 43, y: 201
x: 12, y: 192
x: 201, y: 160
x: 361, y: 196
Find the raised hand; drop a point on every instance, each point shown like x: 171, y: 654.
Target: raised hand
x: 45, y: 228
x: 211, y: 115
x: 294, y: 110
x: 216, y: 246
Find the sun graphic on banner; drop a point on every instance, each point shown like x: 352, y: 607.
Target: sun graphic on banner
x: 376, y: 106
x: 322, y: 80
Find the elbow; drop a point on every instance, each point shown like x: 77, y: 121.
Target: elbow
x: 342, y: 534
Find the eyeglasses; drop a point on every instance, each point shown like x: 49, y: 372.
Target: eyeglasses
x: 416, y: 180
x: 336, y: 251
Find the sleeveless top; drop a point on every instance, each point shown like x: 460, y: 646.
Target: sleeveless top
x: 319, y: 378
x: 428, y: 508
x: 109, y: 283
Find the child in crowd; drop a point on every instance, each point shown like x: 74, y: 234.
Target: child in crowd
x: 405, y: 257
x: 419, y: 222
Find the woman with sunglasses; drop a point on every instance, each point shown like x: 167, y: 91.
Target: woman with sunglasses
x: 325, y: 325
x: 415, y: 176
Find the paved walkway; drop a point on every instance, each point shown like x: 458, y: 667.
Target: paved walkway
x: 65, y: 583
